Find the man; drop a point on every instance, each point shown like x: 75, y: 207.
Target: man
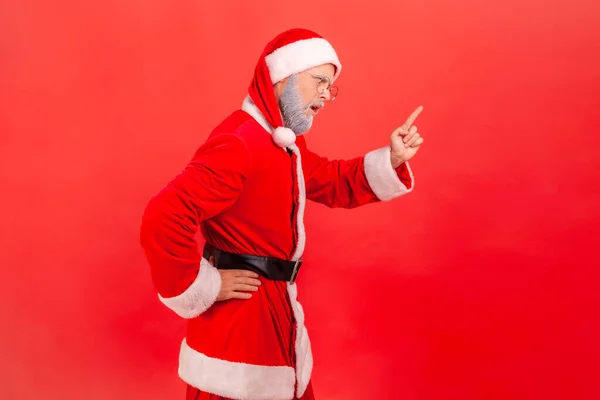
x: 246, y: 189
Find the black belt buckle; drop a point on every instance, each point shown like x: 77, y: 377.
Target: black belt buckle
x: 295, y: 270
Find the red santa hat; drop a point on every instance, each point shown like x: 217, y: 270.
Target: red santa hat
x: 291, y: 52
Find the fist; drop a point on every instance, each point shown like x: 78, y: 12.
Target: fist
x: 405, y: 140
x: 237, y: 284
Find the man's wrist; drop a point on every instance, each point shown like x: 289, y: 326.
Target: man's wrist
x: 396, y: 161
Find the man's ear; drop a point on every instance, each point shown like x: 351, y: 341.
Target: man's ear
x: 278, y: 88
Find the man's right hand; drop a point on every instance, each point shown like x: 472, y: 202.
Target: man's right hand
x: 237, y: 284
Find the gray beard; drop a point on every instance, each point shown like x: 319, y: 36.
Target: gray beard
x: 292, y: 109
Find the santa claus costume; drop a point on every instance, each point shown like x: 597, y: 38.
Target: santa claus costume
x: 246, y: 189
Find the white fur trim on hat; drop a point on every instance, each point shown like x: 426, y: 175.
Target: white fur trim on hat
x: 300, y: 56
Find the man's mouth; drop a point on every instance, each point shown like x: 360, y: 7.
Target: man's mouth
x: 315, y: 108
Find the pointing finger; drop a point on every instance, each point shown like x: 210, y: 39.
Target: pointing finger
x: 412, y: 118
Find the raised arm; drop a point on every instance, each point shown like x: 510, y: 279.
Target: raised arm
x: 380, y: 175
x: 355, y: 182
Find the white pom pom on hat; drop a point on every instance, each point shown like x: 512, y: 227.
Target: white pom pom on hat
x: 284, y: 137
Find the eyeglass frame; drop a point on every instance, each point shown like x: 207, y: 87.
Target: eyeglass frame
x: 320, y: 79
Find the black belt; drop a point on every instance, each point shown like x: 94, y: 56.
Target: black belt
x: 271, y: 268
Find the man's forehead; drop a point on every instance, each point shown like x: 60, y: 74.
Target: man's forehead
x: 324, y: 70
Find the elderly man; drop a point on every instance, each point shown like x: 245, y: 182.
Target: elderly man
x: 246, y: 190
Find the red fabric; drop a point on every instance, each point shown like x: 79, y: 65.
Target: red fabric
x: 240, y: 190
x: 261, y: 87
x: 194, y: 394
x: 258, y: 331
x: 205, y: 188
x: 339, y: 183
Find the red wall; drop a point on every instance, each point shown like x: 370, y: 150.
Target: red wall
x: 481, y: 284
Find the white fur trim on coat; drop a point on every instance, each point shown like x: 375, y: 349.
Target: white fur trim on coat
x: 235, y: 380
x: 304, y: 357
x: 201, y: 294
x: 249, y: 107
x: 382, y: 177
x: 301, y: 204
x: 300, y: 56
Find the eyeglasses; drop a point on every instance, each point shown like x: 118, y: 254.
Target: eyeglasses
x: 323, y: 85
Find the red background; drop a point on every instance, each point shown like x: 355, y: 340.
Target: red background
x: 481, y: 284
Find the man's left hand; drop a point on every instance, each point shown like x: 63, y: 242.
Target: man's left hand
x: 405, y: 140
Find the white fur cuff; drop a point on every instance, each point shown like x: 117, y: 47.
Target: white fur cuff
x: 382, y: 177
x: 201, y: 294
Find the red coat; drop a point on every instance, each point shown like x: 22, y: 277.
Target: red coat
x: 248, y: 196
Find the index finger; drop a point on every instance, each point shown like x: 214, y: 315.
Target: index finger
x: 243, y: 272
x: 412, y: 118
